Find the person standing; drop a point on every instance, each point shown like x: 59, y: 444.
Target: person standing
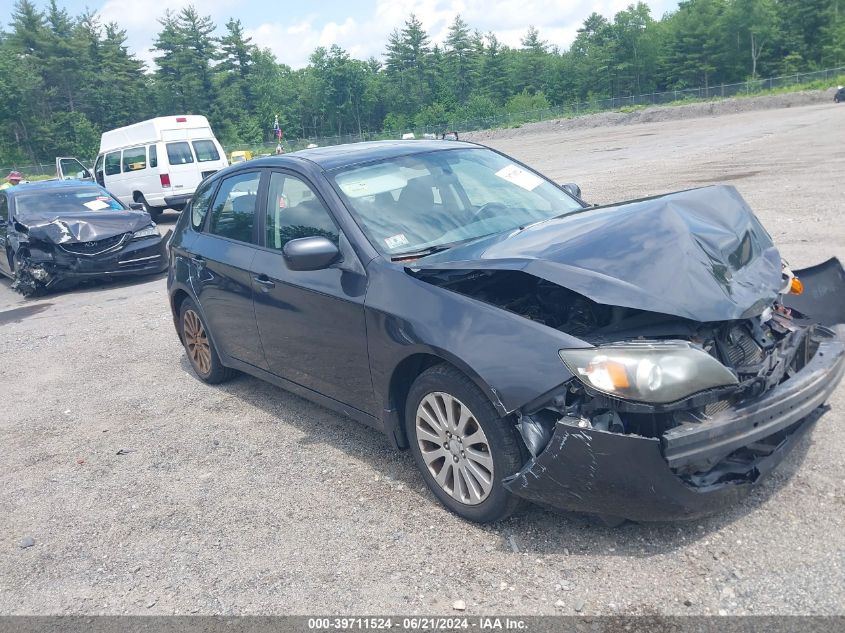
x: 14, y: 178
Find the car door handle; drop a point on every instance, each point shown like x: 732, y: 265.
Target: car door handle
x: 265, y: 281
x: 199, y: 260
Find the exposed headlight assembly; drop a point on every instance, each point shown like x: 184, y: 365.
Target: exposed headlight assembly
x: 648, y: 371
x: 150, y: 231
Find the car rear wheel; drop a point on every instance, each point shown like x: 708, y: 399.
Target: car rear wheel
x: 200, y: 348
x: 461, y: 445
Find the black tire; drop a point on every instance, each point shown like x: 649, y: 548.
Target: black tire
x: 155, y: 212
x: 505, y: 446
x: 209, y: 369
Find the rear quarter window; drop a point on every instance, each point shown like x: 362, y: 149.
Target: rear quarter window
x: 179, y: 153
x: 206, y: 151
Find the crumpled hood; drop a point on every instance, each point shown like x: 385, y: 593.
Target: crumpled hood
x: 699, y: 254
x: 84, y: 227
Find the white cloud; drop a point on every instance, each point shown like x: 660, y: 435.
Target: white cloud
x: 557, y: 22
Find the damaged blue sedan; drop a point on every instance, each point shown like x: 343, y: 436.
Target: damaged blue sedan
x: 649, y: 360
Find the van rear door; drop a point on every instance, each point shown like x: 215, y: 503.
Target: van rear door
x: 182, y: 174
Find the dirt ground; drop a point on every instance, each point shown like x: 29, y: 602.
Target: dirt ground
x: 148, y: 492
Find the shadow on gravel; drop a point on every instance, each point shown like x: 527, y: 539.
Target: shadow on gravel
x: 537, y: 530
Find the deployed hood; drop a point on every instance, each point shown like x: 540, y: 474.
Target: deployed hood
x: 699, y: 254
x: 84, y: 227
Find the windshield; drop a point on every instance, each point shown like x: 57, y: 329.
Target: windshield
x: 423, y: 202
x: 65, y: 201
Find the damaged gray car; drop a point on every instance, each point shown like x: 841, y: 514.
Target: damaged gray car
x: 57, y: 234
x: 649, y: 360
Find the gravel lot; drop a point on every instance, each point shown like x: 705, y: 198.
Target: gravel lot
x: 148, y: 492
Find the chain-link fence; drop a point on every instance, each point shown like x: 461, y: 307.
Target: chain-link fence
x: 513, y: 119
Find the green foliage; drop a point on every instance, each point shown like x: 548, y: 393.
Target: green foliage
x: 65, y: 78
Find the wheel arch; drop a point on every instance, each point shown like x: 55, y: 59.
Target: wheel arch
x: 403, y: 376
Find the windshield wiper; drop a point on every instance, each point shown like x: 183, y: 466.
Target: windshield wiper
x: 425, y: 252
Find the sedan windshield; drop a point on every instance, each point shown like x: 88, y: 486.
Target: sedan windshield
x: 426, y: 202
x: 65, y: 201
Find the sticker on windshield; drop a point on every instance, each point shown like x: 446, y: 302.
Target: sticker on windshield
x: 519, y: 177
x: 355, y: 189
x: 97, y: 205
x: 395, y: 241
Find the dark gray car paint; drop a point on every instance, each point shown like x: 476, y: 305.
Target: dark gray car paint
x: 698, y: 254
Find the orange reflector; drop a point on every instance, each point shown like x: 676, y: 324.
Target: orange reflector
x: 795, y: 286
x: 618, y: 375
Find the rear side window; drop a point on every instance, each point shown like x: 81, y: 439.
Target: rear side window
x: 199, y: 206
x: 153, y: 156
x: 206, y: 151
x: 112, y: 164
x: 233, y: 209
x: 179, y: 154
x: 134, y: 159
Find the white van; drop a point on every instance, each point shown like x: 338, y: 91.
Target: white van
x: 157, y: 163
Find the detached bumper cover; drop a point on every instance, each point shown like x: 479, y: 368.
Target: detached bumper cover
x: 631, y: 476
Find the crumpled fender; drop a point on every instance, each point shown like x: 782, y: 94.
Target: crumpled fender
x: 823, y: 299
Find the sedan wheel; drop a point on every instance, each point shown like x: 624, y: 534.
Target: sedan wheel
x: 455, y: 448
x: 196, y: 342
x: 200, y: 347
x: 462, y: 446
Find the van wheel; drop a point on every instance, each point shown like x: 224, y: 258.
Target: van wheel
x: 155, y: 212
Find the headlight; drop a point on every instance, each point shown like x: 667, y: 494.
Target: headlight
x: 657, y: 372
x: 150, y: 231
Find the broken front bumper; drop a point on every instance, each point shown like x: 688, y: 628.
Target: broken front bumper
x: 638, y: 478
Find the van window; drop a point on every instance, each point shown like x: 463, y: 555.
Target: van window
x: 134, y: 158
x: 205, y: 151
x: 179, y: 154
x: 113, y: 164
x: 233, y: 210
x: 153, y: 156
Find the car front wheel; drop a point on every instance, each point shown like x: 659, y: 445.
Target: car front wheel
x: 463, y: 448
x: 200, y: 348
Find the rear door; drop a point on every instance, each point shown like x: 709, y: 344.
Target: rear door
x: 311, y: 322
x: 72, y: 169
x: 222, y: 256
x: 183, y: 170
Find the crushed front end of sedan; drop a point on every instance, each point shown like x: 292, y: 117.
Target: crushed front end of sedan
x: 62, y: 233
x: 703, y: 358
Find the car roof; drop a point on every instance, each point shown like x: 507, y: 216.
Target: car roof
x: 337, y: 156
x: 50, y: 185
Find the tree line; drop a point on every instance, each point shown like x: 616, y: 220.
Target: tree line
x: 65, y: 79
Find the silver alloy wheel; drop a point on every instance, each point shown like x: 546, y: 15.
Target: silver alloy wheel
x: 454, y: 448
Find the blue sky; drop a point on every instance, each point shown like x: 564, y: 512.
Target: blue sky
x: 292, y: 30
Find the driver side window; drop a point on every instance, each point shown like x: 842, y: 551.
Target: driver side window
x: 294, y: 211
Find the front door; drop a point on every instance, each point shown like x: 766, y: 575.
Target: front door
x: 222, y: 258
x: 311, y: 322
x: 72, y: 169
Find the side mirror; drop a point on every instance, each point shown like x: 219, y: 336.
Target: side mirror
x: 573, y: 189
x: 310, y: 253
x: 136, y: 206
